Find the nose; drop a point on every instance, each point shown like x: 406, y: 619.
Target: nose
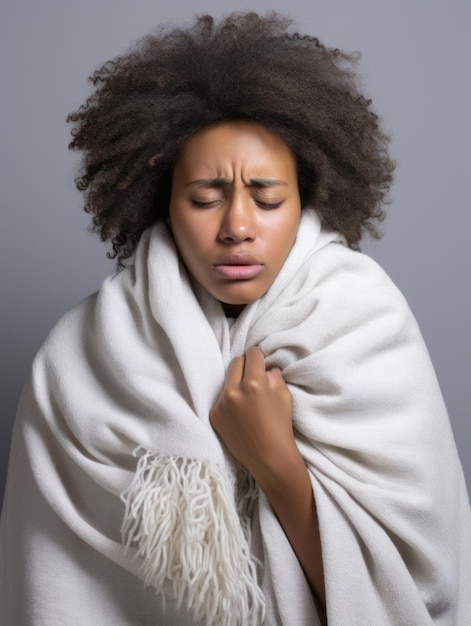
x: 238, y: 221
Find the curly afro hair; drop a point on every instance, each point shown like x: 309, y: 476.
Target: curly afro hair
x: 246, y: 67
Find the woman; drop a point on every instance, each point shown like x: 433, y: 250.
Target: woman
x: 244, y: 419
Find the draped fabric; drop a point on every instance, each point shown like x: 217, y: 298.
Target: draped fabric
x: 123, y: 507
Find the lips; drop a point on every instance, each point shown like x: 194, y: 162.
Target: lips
x: 238, y: 266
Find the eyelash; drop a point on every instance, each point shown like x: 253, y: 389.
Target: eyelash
x: 202, y: 205
x: 268, y: 206
x: 265, y: 205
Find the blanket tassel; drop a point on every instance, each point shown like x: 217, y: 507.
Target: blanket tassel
x: 181, y: 517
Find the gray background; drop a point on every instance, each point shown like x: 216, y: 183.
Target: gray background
x: 415, y: 67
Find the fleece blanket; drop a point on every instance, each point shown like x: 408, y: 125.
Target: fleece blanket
x: 124, y: 508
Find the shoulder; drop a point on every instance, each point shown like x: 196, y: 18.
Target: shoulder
x: 69, y: 329
x: 69, y: 332
x: 349, y: 288
x: 56, y: 361
x: 82, y: 345
x: 353, y: 273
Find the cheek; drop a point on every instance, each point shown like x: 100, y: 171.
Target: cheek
x: 194, y: 237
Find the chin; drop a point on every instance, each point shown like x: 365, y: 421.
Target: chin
x: 239, y: 297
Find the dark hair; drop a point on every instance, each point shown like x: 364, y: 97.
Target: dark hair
x: 248, y: 67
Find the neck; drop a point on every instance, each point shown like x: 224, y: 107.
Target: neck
x: 232, y: 310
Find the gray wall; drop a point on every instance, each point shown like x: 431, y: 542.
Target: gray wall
x: 416, y: 68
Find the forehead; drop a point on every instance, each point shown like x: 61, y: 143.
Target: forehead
x: 222, y: 148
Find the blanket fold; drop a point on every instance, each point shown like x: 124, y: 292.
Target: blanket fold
x: 177, y: 533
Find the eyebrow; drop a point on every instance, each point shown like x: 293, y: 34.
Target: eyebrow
x: 222, y: 182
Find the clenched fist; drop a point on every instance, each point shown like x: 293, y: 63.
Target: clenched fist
x: 253, y: 415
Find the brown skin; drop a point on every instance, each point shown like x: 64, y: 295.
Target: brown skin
x: 235, y: 191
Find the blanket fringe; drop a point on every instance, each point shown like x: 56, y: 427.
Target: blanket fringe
x: 181, y: 517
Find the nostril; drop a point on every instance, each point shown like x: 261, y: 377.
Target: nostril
x: 232, y: 230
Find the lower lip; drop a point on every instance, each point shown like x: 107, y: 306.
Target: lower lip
x: 238, y: 272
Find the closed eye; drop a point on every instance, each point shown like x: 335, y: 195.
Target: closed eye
x: 204, y: 205
x: 269, y: 205
x: 212, y: 203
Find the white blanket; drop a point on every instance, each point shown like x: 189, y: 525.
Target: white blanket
x: 113, y: 448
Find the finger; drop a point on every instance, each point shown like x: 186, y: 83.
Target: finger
x: 235, y: 372
x: 254, y: 364
x: 275, y: 379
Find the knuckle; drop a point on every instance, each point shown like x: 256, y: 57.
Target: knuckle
x: 253, y: 386
x: 231, y: 395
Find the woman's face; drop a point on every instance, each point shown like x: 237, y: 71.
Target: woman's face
x: 235, y: 209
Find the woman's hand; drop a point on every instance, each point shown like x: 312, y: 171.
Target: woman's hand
x: 253, y: 417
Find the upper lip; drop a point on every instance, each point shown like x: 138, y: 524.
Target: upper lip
x: 237, y: 258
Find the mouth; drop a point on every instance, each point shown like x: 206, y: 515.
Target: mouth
x: 238, y: 266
